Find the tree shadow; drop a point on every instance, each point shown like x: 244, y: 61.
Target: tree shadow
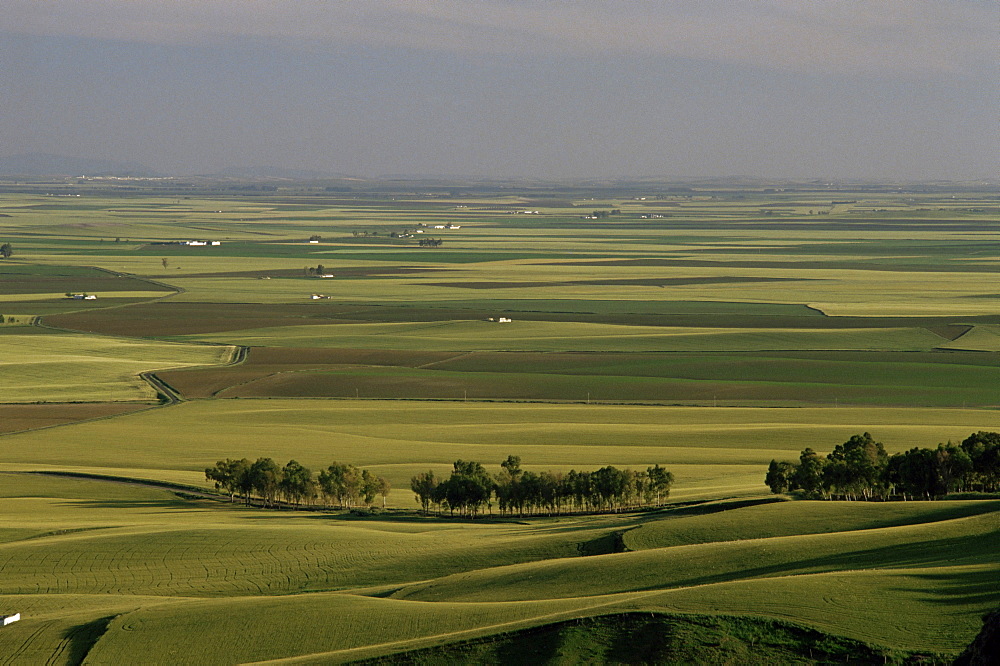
x: 926, y: 553
x: 128, y: 504
x: 961, y: 587
x: 80, y: 639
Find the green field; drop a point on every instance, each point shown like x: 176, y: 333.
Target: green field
x: 708, y: 331
x: 50, y: 367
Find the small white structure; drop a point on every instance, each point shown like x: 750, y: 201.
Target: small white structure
x: 314, y: 242
x: 83, y: 297
x: 504, y: 320
x: 7, y: 619
x: 193, y: 243
x: 327, y: 275
x: 316, y: 297
x: 439, y: 226
x: 216, y: 242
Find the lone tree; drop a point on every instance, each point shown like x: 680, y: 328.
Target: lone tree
x: 6, y: 250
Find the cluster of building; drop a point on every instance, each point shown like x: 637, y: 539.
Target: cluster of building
x: 189, y: 242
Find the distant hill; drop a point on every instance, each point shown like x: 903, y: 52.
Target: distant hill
x: 44, y: 164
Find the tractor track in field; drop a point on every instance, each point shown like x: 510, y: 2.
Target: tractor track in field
x: 169, y: 394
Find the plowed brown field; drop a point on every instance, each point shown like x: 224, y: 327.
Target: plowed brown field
x: 15, y: 418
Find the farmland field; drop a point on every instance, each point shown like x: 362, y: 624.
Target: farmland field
x: 707, y: 330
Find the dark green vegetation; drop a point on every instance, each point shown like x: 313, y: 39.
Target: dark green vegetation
x: 860, y: 468
x: 37, y: 279
x: 740, y: 324
x: 654, y: 638
x: 470, y: 490
x: 269, y: 483
x: 986, y: 645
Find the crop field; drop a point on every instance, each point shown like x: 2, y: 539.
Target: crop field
x: 707, y: 331
x: 53, y: 367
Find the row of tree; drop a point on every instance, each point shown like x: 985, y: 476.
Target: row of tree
x: 860, y: 468
x: 341, y: 485
x: 471, y: 489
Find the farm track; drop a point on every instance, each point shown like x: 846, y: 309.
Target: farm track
x: 170, y: 395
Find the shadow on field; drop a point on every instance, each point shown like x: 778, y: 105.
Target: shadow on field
x: 81, y: 638
x: 128, y: 504
x: 706, y: 507
x: 954, y: 551
x: 961, y: 588
x: 654, y: 638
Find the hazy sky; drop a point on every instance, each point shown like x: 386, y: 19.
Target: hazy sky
x: 906, y: 89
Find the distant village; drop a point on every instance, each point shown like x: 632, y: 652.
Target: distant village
x: 191, y: 243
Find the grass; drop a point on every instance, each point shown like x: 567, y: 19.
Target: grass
x: 961, y: 542
x: 64, y: 367
x: 651, y: 638
x: 731, y: 521
x: 20, y: 279
x: 954, y: 379
x: 979, y: 338
x: 879, y: 315
x: 713, y: 452
x: 72, y: 569
x: 570, y: 336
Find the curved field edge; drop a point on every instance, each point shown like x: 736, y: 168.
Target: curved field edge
x: 66, y: 367
x: 20, y: 417
x: 712, y: 452
x: 969, y: 541
x: 655, y: 638
x: 335, y: 627
x: 740, y: 520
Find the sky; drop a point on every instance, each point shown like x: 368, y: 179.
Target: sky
x: 549, y: 89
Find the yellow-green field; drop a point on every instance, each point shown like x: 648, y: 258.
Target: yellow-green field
x: 714, y: 452
x: 572, y: 336
x: 124, y: 574
x: 708, y: 331
x: 68, y: 368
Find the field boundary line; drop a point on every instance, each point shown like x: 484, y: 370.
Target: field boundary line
x: 526, y: 622
x: 444, y: 360
x: 174, y: 291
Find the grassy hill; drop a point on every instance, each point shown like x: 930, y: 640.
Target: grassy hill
x: 707, y: 331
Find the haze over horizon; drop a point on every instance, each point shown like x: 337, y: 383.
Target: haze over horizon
x: 885, y: 89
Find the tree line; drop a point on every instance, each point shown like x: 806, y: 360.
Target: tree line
x: 339, y: 485
x: 860, y: 468
x: 471, y: 489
